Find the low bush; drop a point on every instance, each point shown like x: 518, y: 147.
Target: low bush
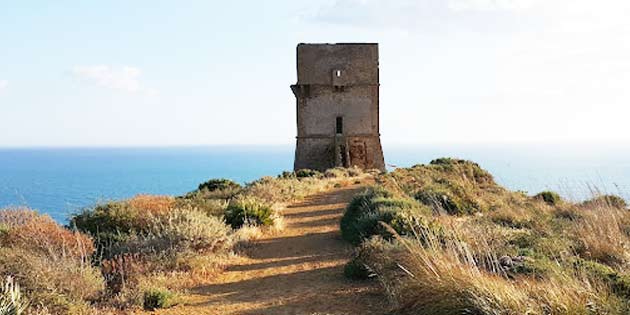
x: 367, y: 212
x: 110, y: 223
x: 221, y: 189
x: 218, y: 184
x: 158, y: 298
x: 610, y: 201
x: 358, y: 207
x: 139, y: 241
x: 282, y: 190
x: 620, y: 283
x: 248, y: 211
x: 152, y: 204
x: 302, y: 173
x: 441, y: 199
x: 24, y: 228
x: 183, y: 229
x: 451, y: 186
x: 549, y: 197
x: 356, y: 270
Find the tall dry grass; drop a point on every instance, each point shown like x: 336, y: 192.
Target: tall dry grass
x: 444, y: 276
x: 603, y: 233
x: 487, y: 250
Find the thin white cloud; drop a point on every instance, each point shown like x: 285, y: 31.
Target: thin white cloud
x: 561, y: 63
x: 124, y: 78
x: 427, y: 16
x: 491, y: 5
x: 3, y: 85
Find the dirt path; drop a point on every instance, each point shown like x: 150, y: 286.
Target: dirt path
x: 299, y: 271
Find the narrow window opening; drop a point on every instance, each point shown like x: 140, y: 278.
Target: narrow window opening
x: 339, y: 125
x: 306, y: 90
x: 338, y: 73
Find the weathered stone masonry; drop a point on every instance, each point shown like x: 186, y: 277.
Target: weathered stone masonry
x: 337, y: 106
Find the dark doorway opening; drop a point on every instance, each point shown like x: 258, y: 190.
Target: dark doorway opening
x: 339, y: 125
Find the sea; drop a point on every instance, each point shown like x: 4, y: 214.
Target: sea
x: 63, y: 181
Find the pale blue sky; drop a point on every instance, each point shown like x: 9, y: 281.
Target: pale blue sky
x: 127, y: 73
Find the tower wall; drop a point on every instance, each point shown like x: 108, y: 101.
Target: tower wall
x: 337, y: 106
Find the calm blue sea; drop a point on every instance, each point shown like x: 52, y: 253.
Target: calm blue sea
x: 62, y: 181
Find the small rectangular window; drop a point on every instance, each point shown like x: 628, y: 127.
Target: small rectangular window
x: 339, y: 125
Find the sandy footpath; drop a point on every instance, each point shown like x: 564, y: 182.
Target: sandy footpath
x: 297, y: 271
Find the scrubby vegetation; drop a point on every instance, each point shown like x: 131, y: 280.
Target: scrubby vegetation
x: 51, y: 264
x: 469, y: 246
x: 441, y: 238
x: 158, y: 298
x: 140, y: 252
x: 248, y: 211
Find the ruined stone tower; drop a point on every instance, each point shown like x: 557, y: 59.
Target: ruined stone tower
x: 337, y: 106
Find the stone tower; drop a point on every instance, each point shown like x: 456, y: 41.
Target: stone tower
x: 337, y: 106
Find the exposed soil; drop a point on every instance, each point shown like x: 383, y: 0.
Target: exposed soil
x: 296, y: 271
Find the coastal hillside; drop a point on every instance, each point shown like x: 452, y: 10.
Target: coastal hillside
x: 444, y: 238
x: 440, y: 238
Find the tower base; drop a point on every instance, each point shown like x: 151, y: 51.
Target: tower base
x: 322, y: 153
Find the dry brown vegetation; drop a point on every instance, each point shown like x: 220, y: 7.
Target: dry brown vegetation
x: 482, y: 249
x: 441, y: 238
x: 147, y: 250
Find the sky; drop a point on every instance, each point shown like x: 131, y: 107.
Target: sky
x: 164, y: 73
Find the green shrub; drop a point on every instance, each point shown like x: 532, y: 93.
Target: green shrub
x: 356, y: 270
x: 107, y: 223
x: 443, y: 200
x: 358, y: 206
x: 523, y: 240
x: 221, y: 189
x: 158, y: 298
x: 287, y: 175
x: 620, y: 283
x: 251, y: 211
x: 366, y: 211
x: 538, y: 267
x: 181, y: 230
x: 302, y: 173
x: 468, y: 168
x: 570, y: 213
x: 218, y: 184
x: 611, y: 201
x: 549, y: 197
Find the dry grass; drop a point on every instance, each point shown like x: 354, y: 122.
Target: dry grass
x: 447, y: 277
x: 51, y: 263
x: 41, y: 233
x: 152, y: 204
x: 492, y: 251
x: 603, y: 234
